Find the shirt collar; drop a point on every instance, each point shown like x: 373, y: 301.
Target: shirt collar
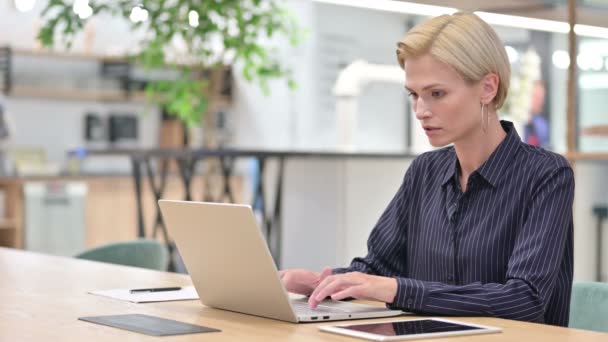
x: 492, y: 169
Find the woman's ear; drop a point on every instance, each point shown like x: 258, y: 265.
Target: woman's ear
x: 489, y: 87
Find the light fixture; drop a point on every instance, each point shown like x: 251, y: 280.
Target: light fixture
x: 589, y: 61
x: 25, y: 5
x: 512, y: 54
x: 583, y: 62
x: 524, y: 22
x: 490, y: 18
x: 596, y: 62
x: 82, y: 9
x: 193, y: 18
x: 561, y: 59
x: 591, y: 31
x: 138, y: 14
x: 394, y: 6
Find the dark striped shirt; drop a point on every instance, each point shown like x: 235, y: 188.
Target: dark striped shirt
x: 503, y: 248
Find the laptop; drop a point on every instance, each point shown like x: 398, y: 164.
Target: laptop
x: 232, y: 269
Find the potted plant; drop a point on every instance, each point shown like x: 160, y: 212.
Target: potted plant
x: 211, y: 34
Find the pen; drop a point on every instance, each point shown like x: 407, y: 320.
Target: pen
x: 157, y: 289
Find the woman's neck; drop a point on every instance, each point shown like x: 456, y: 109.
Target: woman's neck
x: 478, y: 147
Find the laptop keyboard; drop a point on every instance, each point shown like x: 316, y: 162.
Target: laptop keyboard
x: 301, y: 307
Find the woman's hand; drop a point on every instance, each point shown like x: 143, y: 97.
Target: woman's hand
x: 302, y: 281
x: 354, y: 284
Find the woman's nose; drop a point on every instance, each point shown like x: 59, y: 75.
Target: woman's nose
x: 421, y: 110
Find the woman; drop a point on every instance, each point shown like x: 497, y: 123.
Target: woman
x: 483, y: 227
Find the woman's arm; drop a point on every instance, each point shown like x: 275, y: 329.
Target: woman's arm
x: 532, y: 271
x: 531, y: 275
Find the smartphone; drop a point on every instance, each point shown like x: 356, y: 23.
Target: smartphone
x: 410, y: 329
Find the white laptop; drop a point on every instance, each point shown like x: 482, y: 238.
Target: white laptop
x: 231, y: 267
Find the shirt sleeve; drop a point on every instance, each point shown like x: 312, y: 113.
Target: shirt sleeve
x: 532, y: 270
x: 386, y: 253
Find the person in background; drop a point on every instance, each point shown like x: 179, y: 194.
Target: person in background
x: 479, y: 228
x: 536, y: 130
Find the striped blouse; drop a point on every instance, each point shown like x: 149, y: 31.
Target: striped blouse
x: 503, y: 248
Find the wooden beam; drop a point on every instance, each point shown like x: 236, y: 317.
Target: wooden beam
x: 571, y: 130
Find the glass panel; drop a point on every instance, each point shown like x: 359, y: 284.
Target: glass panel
x: 537, y: 95
x: 592, y: 62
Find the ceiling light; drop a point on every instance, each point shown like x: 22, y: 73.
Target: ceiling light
x: 583, y: 61
x: 590, y: 61
x: 25, y: 5
x: 591, y: 31
x: 393, y: 6
x: 596, y: 62
x: 561, y: 59
x: 490, y: 18
x: 524, y: 22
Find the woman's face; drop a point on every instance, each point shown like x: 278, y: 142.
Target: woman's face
x: 448, y: 108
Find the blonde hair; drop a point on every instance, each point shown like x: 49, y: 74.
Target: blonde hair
x: 466, y: 43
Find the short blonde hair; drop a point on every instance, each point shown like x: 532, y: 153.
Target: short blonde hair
x: 466, y: 43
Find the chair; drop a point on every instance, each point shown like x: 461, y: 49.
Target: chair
x: 139, y: 253
x: 589, y: 306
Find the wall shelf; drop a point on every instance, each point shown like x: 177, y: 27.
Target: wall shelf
x: 68, y: 55
x: 114, y: 68
x: 76, y: 94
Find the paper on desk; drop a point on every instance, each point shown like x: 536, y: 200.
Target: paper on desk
x: 186, y: 293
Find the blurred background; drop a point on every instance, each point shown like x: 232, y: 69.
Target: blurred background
x: 295, y: 107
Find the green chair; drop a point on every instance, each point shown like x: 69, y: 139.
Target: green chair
x: 139, y: 253
x: 589, y: 306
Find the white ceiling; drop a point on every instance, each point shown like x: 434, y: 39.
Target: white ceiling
x: 589, y: 12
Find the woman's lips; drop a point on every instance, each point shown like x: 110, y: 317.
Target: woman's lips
x: 429, y: 130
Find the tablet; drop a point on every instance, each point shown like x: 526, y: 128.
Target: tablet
x: 410, y: 329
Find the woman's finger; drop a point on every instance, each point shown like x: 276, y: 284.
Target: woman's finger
x: 330, y: 286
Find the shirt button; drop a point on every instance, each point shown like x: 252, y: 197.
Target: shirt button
x: 450, y: 277
x: 409, y: 302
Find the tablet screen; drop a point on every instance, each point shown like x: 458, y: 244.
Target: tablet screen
x: 402, y: 328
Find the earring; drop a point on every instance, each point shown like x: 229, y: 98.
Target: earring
x: 484, y: 127
x: 487, y: 116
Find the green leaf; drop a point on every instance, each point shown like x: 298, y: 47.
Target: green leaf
x: 186, y: 96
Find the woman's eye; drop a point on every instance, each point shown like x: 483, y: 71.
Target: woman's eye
x: 413, y: 95
x: 437, y: 93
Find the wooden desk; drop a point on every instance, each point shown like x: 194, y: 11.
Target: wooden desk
x: 42, y: 296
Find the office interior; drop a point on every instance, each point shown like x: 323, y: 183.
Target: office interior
x: 85, y: 153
